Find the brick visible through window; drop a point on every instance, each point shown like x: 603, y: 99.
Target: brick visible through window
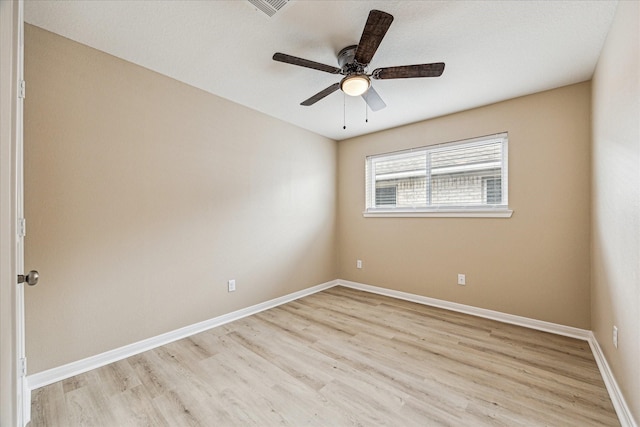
x: 386, y: 196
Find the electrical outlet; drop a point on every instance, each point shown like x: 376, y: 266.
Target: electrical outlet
x: 615, y: 336
x: 231, y: 285
x: 359, y: 263
x: 462, y: 280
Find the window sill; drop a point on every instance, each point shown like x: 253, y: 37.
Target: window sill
x: 440, y: 213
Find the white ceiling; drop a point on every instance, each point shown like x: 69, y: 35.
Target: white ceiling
x: 493, y: 50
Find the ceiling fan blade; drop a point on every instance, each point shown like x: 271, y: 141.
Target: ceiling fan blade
x: 318, y: 96
x: 283, y: 57
x: 374, y: 30
x: 373, y: 100
x: 409, y: 71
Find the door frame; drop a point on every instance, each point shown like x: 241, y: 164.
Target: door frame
x: 14, y: 392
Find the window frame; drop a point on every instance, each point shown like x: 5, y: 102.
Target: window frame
x: 501, y: 210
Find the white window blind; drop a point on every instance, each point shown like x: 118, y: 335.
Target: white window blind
x: 468, y: 175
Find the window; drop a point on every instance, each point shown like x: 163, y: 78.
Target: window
x: 465, y: 178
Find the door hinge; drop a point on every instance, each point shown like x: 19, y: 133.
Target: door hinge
x: 22, y: 93
x: 22, y: 227
x: 23, y: 367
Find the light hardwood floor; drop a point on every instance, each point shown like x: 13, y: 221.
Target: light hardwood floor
x: 342, y: 357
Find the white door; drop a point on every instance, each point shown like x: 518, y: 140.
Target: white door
x: 30, y: 278
x: 23, y: 392
x: 24, y: 397
x: 10, y: 412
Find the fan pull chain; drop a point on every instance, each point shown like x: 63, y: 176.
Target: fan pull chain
x: 344, y: 111
x: 366, y: 113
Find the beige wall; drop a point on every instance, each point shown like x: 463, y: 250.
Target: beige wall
x: 145, y: 195
x: 616, y: 201
x: 535, y: 264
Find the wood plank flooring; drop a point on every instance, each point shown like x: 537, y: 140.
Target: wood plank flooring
x: 342, y: 357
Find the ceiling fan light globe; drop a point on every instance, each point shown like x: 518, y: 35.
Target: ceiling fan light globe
x: 355, y: 85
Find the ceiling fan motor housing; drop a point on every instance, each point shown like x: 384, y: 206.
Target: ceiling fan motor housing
x: 346, y: 60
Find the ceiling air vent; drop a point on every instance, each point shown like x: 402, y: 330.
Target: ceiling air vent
x: 269, y: 7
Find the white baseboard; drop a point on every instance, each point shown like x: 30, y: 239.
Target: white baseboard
x: 619, y: 403
x: 60, y: 373
x: 539, y: 325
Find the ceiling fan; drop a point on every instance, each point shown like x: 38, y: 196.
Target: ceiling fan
x: 354, y: 60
